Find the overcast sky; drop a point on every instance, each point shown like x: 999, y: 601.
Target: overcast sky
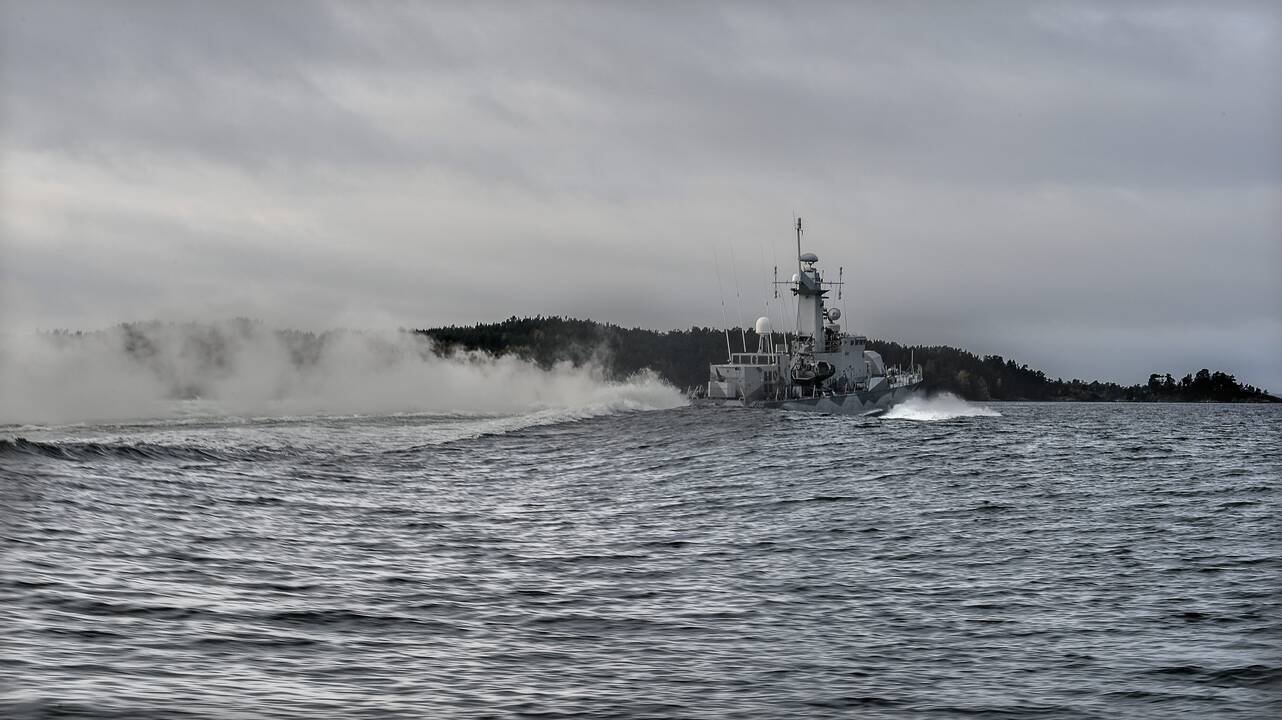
x: 1092, y: 188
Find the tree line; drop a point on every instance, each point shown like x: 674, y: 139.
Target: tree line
x: 682, y: 358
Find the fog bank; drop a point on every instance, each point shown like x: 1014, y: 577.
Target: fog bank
x: 244, y: 368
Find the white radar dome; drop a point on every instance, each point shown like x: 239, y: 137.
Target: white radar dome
x: 834, y: 314
x: 763, y: 326
x: 796, y: 277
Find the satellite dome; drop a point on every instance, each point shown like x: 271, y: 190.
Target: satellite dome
x: 763, y: 326
x: 810, y: 258
x: 834, y: 314
x: 796, y: 277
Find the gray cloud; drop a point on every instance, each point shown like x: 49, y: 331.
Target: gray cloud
x: 1087, y: 186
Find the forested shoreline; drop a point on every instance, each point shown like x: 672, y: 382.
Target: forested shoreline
x: 186, y: 356
x: 682, y: 358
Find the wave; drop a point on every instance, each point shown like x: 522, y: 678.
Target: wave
x: 944, y: 406
x: 90, y: 451
x: 412, y: 432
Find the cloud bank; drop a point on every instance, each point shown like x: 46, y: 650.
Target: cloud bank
x: 1093, y: 188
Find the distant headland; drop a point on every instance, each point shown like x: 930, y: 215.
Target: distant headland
x: 191, y: 358
x: 682, y: 357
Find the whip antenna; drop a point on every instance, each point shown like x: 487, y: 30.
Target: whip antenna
x: 783, y: 308
x: 799, y: 276
x: 717, y: 266
x: 743, y: 332
x: 766, y: 302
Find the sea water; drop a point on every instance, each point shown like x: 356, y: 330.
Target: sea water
x: 605, y: 560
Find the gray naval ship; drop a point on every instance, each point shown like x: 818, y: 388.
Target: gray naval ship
x: 818, y: 368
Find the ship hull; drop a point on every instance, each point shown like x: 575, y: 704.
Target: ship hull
x: 872, y: 402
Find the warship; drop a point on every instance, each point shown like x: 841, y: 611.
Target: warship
x: 817, y: 368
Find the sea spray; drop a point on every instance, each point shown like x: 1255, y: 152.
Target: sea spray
x: 244, y: 368
x: 944, y: 406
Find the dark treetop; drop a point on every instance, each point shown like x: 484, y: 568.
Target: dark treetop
x: 208, y: 351
x: 682, y: 358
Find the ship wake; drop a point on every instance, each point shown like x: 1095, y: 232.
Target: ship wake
x: 944, y: 406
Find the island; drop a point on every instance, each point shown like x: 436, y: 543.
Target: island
x: 682, y: 357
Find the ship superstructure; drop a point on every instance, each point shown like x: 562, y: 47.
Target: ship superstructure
x: 817, y: 368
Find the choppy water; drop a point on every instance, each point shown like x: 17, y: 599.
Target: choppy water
x: 1050, y: 561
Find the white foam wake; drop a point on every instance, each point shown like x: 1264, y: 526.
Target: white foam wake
x: 944, y: 406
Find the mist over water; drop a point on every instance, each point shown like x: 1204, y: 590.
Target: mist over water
x: 348, y: 524
x: 159, y: 371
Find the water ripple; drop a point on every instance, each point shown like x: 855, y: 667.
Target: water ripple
x: 1065, y: 561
